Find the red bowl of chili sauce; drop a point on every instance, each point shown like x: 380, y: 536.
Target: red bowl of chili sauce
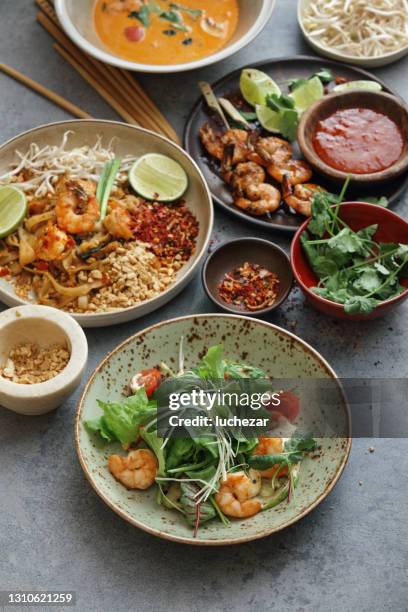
x: 391, y: 228
x: 362, y: 134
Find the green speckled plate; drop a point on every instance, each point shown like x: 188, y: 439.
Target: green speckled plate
x: 280, y: 353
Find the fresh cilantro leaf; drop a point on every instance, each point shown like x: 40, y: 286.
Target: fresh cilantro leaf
x: 193, y: 12
x: 248, y: 116
x: 359, y: 304
x: 369, y: 281
x: 383, y: 201
x: 347, y: 241
x: 280, y: 102
x: 143, y: 15
x: 325, y: 75
x: 296, y: 83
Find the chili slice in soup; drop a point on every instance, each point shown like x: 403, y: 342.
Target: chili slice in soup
x: 358, y: 141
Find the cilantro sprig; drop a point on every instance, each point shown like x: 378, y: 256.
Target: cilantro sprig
x: 353, y: 267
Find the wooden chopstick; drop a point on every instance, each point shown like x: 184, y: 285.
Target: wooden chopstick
x: 44, y: 91
x: 100, y: 73
x: 95, y: 84
x: 123, y: 88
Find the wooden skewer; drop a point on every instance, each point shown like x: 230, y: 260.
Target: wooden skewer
x: 94, y: 83
x: 44, y: 91
x: 127, y: 91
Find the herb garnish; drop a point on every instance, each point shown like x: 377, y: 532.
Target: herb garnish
x: 143, y: 15
x: 325, y: 75
x: 285, y: 106
x: 354, y: 269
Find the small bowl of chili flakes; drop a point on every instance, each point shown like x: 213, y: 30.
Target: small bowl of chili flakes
x: 247, y: 276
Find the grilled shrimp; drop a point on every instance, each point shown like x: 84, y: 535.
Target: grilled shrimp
x: 246, y: 174
x: 137, y: 470
x: 77, y: 209
x: 215, y: 143
x: 270, y: 446
x: 118, y: 221
x: 273, y: 150
x: 300, y: 197
x: 121, y: 6
x: 259, y: 199
x: 52, y: 243
x: 236, y: 493
x: 296, y: 170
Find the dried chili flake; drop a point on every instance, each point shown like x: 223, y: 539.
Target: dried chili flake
x: 251, y: 286
x: 170, y: 230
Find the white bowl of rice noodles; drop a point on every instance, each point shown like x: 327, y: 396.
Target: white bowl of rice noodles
x: 102, y: 269
x: 368, y: 33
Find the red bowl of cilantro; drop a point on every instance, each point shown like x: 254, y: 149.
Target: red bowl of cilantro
x: 351, y: 259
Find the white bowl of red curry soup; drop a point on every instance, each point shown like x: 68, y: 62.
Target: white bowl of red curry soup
x: 361, y: 134
x: 163, y: 37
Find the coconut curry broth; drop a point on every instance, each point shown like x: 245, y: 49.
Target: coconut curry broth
x: 164, y: 32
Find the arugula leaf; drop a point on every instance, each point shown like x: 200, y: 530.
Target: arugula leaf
x: 293, y: 452
x: 143, y: 15
x: 121, y: 421
x: 241, y: 370
x: 195, y: 514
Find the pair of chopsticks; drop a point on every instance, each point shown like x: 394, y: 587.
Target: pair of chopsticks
x: 117, y: 87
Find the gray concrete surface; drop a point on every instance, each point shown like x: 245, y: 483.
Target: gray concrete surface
x: 55, y: 533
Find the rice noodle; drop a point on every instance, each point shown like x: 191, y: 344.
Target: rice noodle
x: 360, y: 28
x: 46, y: 165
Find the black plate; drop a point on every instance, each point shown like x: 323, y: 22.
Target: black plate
x: 281, y: 70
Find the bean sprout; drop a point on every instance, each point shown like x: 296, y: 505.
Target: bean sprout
x: 357, y: 27
x: 47, y: 164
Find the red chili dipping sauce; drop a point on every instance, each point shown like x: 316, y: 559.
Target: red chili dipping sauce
x: 358, y: 141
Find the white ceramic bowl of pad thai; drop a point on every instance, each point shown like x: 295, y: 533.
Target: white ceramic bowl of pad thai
x: 127, y: 141
x: 383, y: 59
x: 276, y: 351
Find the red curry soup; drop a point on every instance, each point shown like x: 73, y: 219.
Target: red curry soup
x: 358, y: 141
x: 164, y: 32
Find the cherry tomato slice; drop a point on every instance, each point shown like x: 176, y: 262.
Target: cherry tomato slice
x: 289, y: 405
x: 149, y: 379
x: 134, y: 33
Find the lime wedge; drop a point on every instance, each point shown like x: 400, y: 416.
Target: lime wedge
x: 256, y: 85
x: 13, y: 209
x: 268, y: 118
x: 158, y: 177
x: 308, y: 93
x: 352, y: 85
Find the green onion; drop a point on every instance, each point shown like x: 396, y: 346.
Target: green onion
x: 105, y: 185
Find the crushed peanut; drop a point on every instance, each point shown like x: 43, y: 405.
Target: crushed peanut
x: 29, y: 364
x: 133, y: 274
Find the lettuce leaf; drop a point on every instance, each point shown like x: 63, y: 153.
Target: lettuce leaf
x: 121, y: 421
